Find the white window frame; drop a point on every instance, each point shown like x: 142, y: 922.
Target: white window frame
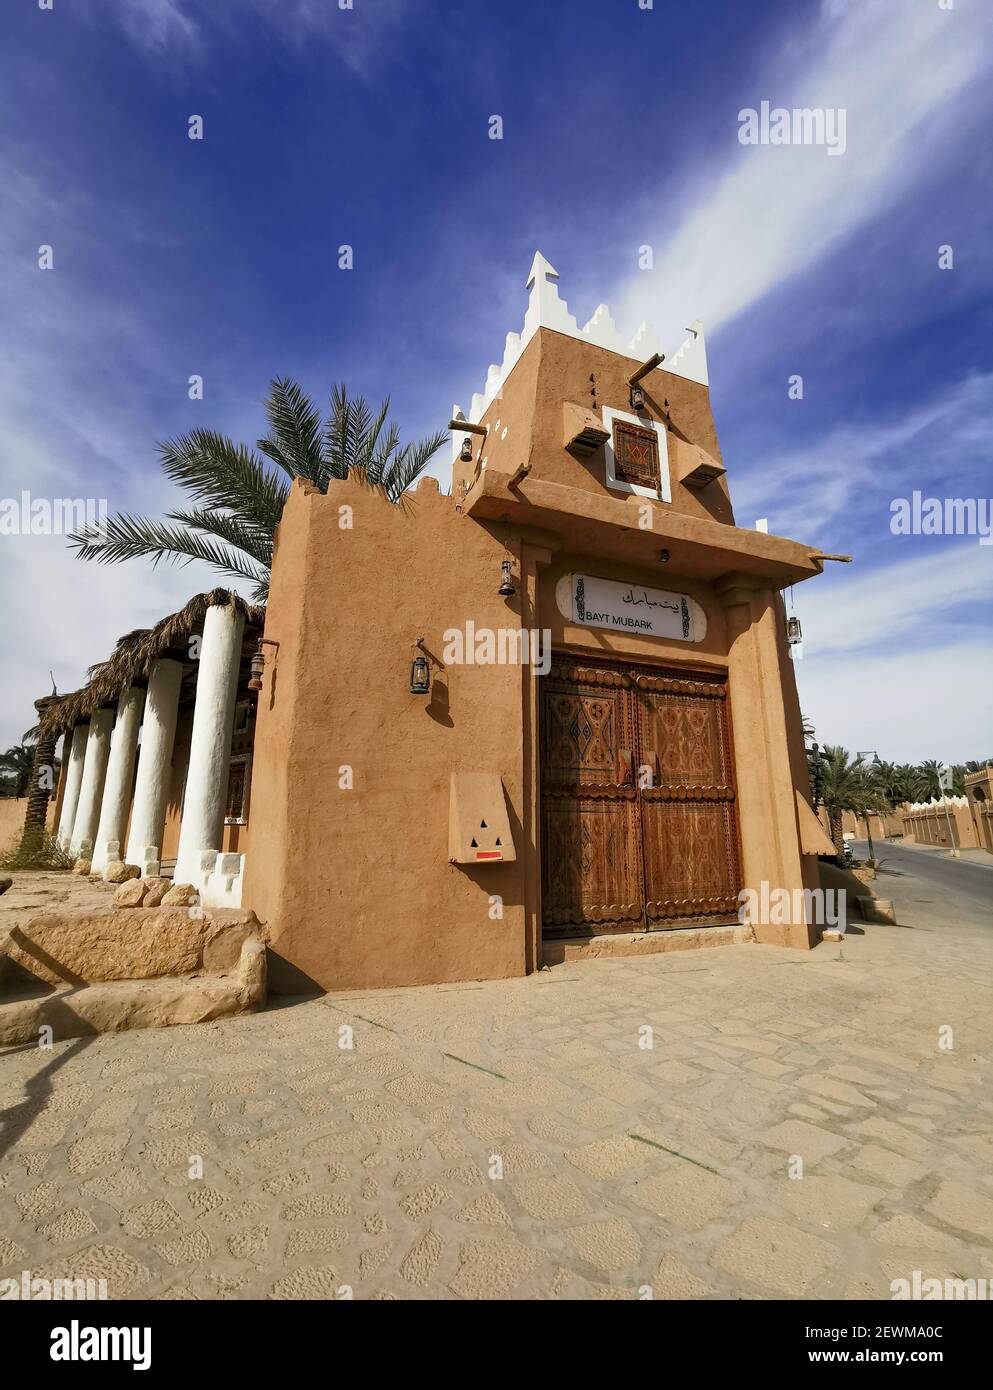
x: 664, y: 493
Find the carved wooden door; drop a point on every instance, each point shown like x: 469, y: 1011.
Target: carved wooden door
x: 591, y: 828
x: 637, y: 799
x: 689, y: 827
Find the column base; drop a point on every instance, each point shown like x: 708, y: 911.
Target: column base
x: 217, y: 877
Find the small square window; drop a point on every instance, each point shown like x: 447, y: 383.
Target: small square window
x: 636, y: 455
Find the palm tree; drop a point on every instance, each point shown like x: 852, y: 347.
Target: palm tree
x: 847, y: 786
x: 930, y: 771
x: 910, y: 784
x: 238, y: 499
x: 41, y: 785
x: 899, y: 782
x: 15, y: 769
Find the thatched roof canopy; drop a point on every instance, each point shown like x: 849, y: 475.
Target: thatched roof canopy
x: 133, y: 657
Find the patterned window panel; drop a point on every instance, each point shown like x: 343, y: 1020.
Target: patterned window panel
x: 636, y: 455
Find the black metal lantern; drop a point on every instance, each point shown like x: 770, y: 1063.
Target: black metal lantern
x: 637, y: 398
x: 506, y: 588
x: 420, y: 671
x: 258, y: 666
x: 793, y: 631
x: 466, y: 454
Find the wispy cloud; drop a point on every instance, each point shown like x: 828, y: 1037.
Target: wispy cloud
x: 929, y: 702
x: 186, y: 27
x: 854, y: 470
x: 80, y: 377
x: 762, y: 213
x: 938, y: 589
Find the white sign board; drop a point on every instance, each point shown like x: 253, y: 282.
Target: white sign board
x: 635, y: 609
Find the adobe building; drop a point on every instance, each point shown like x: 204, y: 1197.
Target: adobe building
x: 553, y: 710
x: 556, y: 704
x: 951, y: 822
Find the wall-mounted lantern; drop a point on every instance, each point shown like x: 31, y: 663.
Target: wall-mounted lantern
x: 258, y: 663
x: 466, y: 452
x: 420, y: 670
x: 506, y: 589
x: 793, y: 631
x: 637, y: 394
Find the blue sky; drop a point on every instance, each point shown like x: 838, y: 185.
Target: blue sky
x: 369, y: 126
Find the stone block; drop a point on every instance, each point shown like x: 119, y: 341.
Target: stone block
x: 77, y: 947
x: 155, y: 890
x: 119, y: 872
x: 131, y: 894
x: 181, y: 895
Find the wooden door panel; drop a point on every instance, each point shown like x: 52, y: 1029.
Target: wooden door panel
x: 691, y: 859
x: 690, y: 833
x: 592, y: 862
x: 591, y: 823
x: 586, y: 723
x: 683, y: 723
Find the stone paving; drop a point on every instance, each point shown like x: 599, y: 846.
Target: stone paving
x: 517, y: 1139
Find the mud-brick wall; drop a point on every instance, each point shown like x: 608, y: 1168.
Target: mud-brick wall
x: 354, y: 880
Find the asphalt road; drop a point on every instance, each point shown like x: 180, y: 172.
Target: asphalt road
x: 967, y: 882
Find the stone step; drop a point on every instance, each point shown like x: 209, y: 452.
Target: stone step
x: 617, y: 945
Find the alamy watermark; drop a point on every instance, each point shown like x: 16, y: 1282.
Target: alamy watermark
x: 504, y: 646
x: 30, y: 1287
x: 783, y: 907
x: 918, y: 515
x: 806, y: 125
x: 52, y: 516
x: 918, y: 1288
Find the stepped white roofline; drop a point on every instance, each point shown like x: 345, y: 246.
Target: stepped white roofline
x: 546, y: 310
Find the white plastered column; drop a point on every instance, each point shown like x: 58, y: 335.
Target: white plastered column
x: 74, y: 753
x: 117, y: 784
x: 202, y: 828
x: 84, y: 827
x: 151, y: 792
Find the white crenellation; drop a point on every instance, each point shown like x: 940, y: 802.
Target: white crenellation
x: 690, y: 360
x: 547, y: 310
x: 645, y: 343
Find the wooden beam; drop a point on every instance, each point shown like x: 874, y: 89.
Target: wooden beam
x: 646, y: 367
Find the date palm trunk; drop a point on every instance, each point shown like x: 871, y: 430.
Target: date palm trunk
x: 41, y: 787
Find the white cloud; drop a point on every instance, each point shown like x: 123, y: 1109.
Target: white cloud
x: 159, y: 25
x: 63, y: 615
x: 906, y: 705
x: 939, y: 589
x: 180, y: 27
x: 767, y: 211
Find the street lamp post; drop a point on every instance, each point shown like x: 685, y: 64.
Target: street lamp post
x: 870, y: 752
x: 946, y: 783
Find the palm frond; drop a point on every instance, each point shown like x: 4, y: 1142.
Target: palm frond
x: 410, y: 463
x: 128, y: 537
x: 219, y: 473
x: 294, y: 439
x: 253, y: 540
